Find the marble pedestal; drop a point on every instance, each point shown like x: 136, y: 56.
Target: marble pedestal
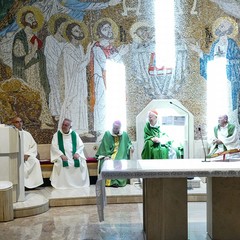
x: 6, y: 201
x: 223, y: 207
x: 165, y: 208
x: 9, y: 158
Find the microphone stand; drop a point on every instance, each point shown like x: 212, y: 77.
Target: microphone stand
x: 205, y: 155
x: 187, y: 123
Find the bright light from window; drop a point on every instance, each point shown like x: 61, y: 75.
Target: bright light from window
x: 165, y: 33
x: 218, y: 89
x: 115, y: 94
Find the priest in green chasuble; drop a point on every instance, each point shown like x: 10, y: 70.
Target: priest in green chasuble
x: 157, y: 144
x: 115, y: 145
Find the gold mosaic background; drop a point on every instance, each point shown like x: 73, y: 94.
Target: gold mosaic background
x: 16, y: 97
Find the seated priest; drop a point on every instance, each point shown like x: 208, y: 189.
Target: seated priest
x: 157, y: 144
x: 70, y: 167
x: 115, y: 145
x: 32, y: 170
x: 225, y: 139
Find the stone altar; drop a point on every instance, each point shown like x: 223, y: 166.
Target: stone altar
x: 165, y: 195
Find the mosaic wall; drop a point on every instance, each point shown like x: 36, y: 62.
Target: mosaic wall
x: 53, y: 60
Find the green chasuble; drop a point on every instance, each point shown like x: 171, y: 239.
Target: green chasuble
x: 153, y: 150
x: 117, y: 148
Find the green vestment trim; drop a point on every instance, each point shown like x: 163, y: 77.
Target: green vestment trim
x: 231, y: 129
x: 74, y: 148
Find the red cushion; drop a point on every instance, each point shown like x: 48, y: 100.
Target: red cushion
x: 91, y: 159
x: 45, y: 161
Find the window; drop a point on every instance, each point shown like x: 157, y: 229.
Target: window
x: 165, y: 33
x: 115, y: 94
x: 218, y: 92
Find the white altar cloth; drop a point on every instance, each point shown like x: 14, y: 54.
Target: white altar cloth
x: 164, y: 168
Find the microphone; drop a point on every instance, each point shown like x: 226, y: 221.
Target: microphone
x: 178, y: 107
x: 187, y: 123
x: 205, y: 155
x: 181, y: 109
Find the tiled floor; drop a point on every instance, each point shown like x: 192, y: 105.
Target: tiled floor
x: 197, y: 227
x: 122, y: 221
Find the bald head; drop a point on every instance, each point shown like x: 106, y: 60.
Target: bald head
x: 223, y: 120
x: 116, y: 127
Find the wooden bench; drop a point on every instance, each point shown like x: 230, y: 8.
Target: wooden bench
x: 90, y: 150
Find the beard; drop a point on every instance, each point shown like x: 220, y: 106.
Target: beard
x: 108, y: 37
x: 81, y: 37
x: 32, y: 25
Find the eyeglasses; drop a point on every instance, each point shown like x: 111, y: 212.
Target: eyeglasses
x: 66, y: 125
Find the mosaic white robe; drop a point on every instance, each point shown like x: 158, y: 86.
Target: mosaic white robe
x: 52, y: 52
x: 75, y: 102
x: 99, y: 89
x: 141, y: 54
x: 32, y: 170
x: 68, y: 177
x: 157, y: 85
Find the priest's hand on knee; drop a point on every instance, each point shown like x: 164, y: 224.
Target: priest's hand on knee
x: 155, y: 139
x: 76, y: 156
x: 26, y: 157
x: 64, y: 158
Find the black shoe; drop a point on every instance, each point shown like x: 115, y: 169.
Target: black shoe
x: 114, y: 185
